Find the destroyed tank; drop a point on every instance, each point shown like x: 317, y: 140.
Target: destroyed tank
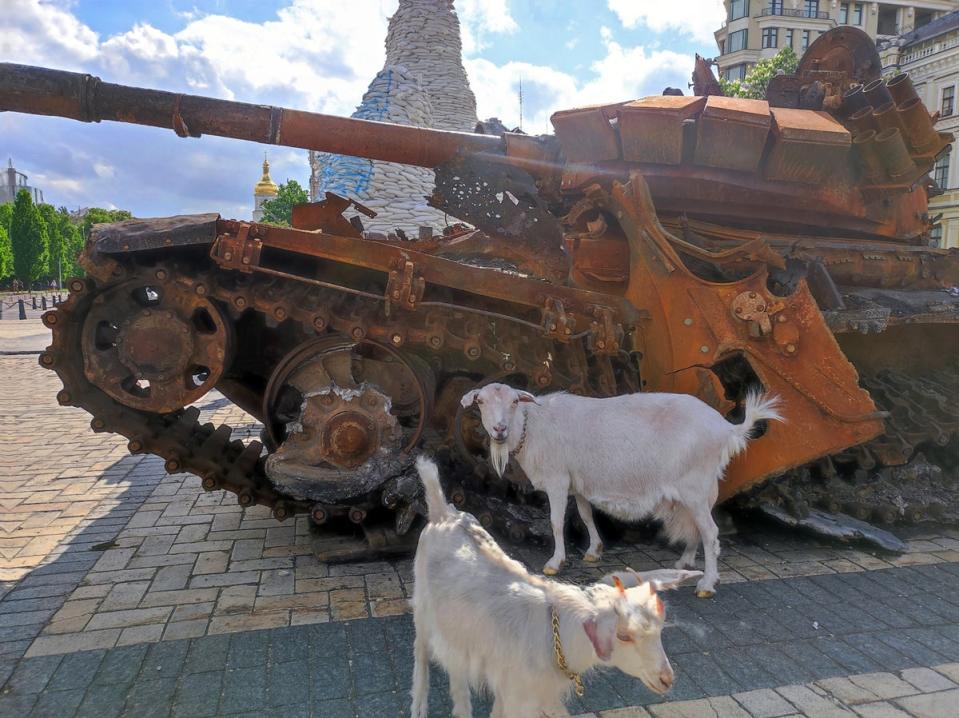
x: 700, y: 244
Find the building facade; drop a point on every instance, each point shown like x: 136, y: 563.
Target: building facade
x: 14, y: 182
x: 264, y: 190
x: 757, y: 29
x: 930, y: 55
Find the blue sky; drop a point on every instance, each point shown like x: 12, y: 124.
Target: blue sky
x: 311, y: 54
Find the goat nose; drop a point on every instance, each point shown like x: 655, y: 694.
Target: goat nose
x: 666, y: 676
x: 500, y: 428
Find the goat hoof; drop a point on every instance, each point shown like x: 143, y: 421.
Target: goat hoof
x: 550, y: 571
x: 705, y: 594
x: 592, y: 558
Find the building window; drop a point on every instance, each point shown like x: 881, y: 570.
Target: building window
x: 857, y: 14
x: 789, y: 37
x: 738, y: 9
x: 805, y: 40
x: 940, y: 172
x: 812, y: 8
x: 888, y: 23
x: 736, y: 72
x: 770, y: 37
x: 737, y: 40
x: 844, y: 14
x: 948, y: 100
x: 935, y: 235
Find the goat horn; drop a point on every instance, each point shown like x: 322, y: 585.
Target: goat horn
x: 619, y: 585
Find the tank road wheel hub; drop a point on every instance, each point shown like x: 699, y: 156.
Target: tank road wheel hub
x: 344, y: 416
x: 351, y: 425
x: 154, y: 347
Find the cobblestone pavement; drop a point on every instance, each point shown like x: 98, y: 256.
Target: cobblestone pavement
x: 123, y: 589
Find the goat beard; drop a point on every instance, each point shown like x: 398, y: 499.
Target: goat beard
x: 498, y: 456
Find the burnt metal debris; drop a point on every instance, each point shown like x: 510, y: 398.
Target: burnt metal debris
x: 697, y: 244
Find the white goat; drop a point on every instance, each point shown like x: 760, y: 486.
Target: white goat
x: 490, y: 623
x: 633, y: 456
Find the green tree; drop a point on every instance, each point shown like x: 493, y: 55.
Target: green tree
x: 28, y: 236
x: 98, y: 215
x: 6, y: 253
x: 6, y: 250
x: 64, y: 241
x: 280, y: 210
x: 6, y: 215
x: 55, y: 239
x: 757, y: 78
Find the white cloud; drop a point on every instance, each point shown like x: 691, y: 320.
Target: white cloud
x: 479, y: 18
x: 623, y: 73
x: 698, y: 18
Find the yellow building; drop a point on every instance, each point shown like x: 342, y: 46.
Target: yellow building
x: 930, y: 55
x: 757, y: 29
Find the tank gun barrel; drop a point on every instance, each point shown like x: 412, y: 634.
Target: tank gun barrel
x: 42, y: 91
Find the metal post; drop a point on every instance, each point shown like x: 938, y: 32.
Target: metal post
x: 34, y: 300
x: 43, y: 303
x: 23, y: 309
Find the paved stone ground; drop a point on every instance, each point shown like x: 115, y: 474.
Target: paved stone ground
x: 125, y: 590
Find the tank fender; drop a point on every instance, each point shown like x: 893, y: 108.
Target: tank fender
x: 137, y: 235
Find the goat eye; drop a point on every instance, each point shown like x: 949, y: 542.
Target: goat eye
x: 515, y: 402
x: 624, y: 637
x: 479, y: 401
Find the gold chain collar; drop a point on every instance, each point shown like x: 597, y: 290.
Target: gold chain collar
x: 522, y: 436
x: 560, y: 658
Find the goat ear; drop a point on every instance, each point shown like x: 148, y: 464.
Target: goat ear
x: 601, y: 637
x: 664, y: 579
x: 525, y: 396
x: 469, y: 398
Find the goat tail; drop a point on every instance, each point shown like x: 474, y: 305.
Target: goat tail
x: 758, y: 407
x: 436, y: 507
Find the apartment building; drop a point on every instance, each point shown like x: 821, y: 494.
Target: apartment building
x: 757, y: 29
x: 930, y: 55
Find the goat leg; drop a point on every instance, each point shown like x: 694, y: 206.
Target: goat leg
x: 595, y: 551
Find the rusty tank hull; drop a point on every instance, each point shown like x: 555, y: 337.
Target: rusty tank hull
x: 697, y: 244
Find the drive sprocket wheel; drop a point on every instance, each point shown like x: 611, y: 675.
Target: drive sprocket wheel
x: 154, y: 346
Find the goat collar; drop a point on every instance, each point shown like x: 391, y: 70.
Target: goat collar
x: 522, y: 436
x: 560, y: 657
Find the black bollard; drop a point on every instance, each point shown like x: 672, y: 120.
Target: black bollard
x: 34, y: 302
x: 43, y: 303
x: 23, y: 309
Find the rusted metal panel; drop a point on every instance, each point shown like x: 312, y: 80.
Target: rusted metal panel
x: 693, y: 323
x: 652, y: 128
x: 135, y: 235
x: 586, y: 133
x: 808, y: 147
x: 732, y: 133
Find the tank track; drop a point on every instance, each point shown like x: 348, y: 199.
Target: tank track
x: 223, y: 463
x: 908, y: 475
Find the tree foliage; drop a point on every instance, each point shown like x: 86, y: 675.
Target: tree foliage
x: 280, y: 210
x: 6, y: 253
x: 98, y: 215
x: 757, y: 78
x: 6, y: 249
x: 28, y: 235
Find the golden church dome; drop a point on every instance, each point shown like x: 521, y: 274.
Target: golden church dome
x: 266, y: 186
